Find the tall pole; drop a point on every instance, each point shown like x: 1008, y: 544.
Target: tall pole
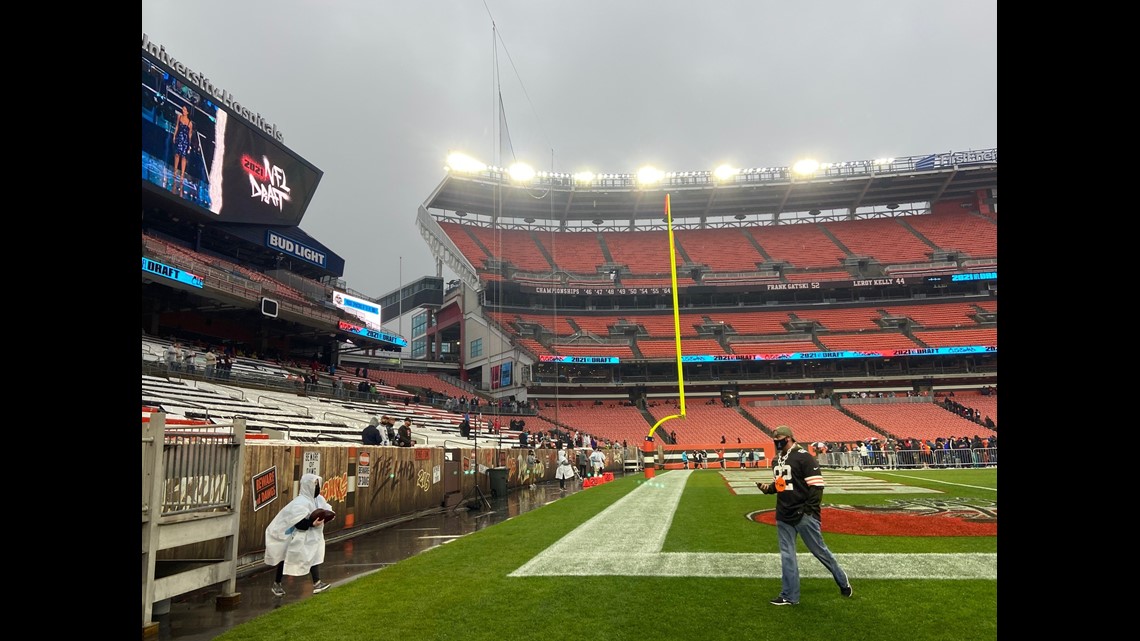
x: 400, y: 307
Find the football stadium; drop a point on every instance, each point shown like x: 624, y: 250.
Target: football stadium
x: 668, y: 320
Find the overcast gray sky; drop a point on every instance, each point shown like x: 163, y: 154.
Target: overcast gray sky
x: 376, y: 93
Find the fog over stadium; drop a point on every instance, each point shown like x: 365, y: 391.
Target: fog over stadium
x: 376, y: 95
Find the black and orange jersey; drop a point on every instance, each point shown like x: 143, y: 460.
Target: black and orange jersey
x: 803, y: 484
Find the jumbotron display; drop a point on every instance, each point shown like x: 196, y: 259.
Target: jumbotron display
x: 198, y: 151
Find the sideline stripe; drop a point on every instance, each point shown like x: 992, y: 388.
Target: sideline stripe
x: 625, y: 539
x: 930, y: 480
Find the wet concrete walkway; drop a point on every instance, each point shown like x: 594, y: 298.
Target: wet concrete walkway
x: 195, y: 616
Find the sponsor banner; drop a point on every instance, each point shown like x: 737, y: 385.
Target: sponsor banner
x: 586, y: 360
x: 173, y: 273
x: 264, y: 488
x: 345, y: 326
x: 290, y: 247
x: 950, y: 159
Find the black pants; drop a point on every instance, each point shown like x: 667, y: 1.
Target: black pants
x: 315, y: 571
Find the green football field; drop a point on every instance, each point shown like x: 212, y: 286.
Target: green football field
x: 687, y: 555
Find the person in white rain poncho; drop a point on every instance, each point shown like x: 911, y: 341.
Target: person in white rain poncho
x: 598, y: 462
x: 565, y: 470
x: 294, y: 540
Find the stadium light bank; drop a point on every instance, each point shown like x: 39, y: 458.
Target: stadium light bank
x: 521, y: 172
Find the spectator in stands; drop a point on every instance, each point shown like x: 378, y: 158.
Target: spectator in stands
x: 864, y: 456
x: 389, y: 429
x: 523, y: 436
x: 211, y: 362
x: 294, y: 542
x: 722, y: 439
x: 370, y: 435
x: 976, y: 451
x: 173, y: 356
x: 990, y: 423
x: 226, y: 366
x: 798, y: 486
x: 673, y: 436
x: 465, y: 427
x: 405, y: 435
x: 188, y: 360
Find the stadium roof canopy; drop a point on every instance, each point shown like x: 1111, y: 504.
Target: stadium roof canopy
x: 552, y: 198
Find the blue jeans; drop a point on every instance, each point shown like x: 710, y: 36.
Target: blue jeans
x: 808, y: 530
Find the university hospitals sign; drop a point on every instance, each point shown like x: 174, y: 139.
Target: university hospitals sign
x: 202, y: 82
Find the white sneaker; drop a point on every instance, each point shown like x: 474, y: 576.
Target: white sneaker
x: 320, y: 586
x: 277, y: 589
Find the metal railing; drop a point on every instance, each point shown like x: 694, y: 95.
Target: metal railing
x: 278, y: 399
x: 911, y: 459
x: 191, y: 493
x: 197, y: 462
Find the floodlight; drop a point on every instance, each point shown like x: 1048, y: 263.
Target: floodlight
x: 521, y: 172
x: 584, y: 177
x: 724, y: 172
x: 648, y: 175
x: 465, y: 163
x: 805, y: 167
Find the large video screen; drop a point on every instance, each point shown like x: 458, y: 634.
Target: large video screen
x: 365, y: 310
x: 200, y: 152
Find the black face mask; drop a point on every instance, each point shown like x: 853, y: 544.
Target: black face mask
x: 317, y: 490
x: 781, y: 444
